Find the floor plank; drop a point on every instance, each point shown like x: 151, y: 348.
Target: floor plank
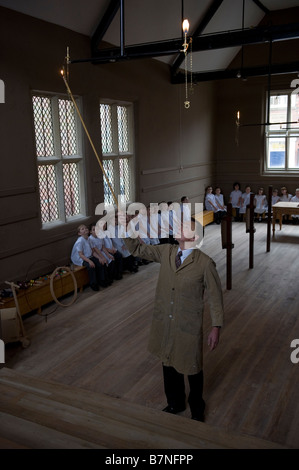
x: 251, y: 386
x: 68, y: 417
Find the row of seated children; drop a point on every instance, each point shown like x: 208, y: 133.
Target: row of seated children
x: 105, y: 255
x: 215, y: 202
x: 104, y: 258
x: 240, y: 200
x: 157, y: 223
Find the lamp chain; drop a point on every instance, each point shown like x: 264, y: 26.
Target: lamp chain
x: 191, y: 67
x: 187, y: 101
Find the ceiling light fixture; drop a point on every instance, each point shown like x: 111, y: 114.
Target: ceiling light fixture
x: 185, y: 26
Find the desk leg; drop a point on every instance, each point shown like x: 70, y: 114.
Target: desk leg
x: 280, y: 220
x: 273, y: 223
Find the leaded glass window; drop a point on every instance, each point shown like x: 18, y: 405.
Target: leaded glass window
x: 59, y: 157
x: 117, y: 150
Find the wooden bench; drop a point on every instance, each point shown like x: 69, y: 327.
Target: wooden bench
x: 204, y: 217
x: 38, y: 295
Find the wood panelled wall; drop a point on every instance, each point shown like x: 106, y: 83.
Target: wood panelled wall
x: 240, y: 153
x: 178, y: 151
x: 174, y: 147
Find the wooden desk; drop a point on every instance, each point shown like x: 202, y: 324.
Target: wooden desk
x: 281, y: 208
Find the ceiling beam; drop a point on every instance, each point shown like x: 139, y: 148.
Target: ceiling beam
x: 261, y: 6
x: 198, y: 31
x: 264, y: 70
x: 104, y: 24
x: 258, y: 35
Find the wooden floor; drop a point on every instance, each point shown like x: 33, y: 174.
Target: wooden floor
x: 98, y: 345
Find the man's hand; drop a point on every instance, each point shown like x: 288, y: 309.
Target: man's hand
x: 213, y: 338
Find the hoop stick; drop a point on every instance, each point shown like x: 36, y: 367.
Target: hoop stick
x: 87, y: 133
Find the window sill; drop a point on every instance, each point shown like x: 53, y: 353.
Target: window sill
x: 60, y: 223
x: 284, y: 173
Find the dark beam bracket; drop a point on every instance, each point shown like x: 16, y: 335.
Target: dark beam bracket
x: 258, y: 35
x: 261, y: 6
x: 104, y: 24
x: 278, y: 69
x: 198, y: 31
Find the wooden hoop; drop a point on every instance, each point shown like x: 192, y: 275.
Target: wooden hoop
x: 66, y: 268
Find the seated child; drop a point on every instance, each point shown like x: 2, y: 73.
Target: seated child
x: 109, y: 249
x: 260, y: 203
x: 295, y: 217
x: 219, y: 198
x: 211, y: 204
x: 97, y: 246
x: 245, y: 200
x: 82, y: 256
x: 235, y: 200
x: 220, y: 201
x: 285, y: 196
x: 129, y: 261
x: 275, y: 197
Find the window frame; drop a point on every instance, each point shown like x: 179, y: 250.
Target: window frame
x: 115, y: 155
x: 287, y: 133
x: 57, y: 160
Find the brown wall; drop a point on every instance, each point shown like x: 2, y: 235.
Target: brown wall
x: 240, y: 153
x: 175, y: 148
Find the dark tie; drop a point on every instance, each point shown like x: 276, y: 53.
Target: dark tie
x: 178, y: 259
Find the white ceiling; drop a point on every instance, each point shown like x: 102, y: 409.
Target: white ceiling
x: 153, y: 20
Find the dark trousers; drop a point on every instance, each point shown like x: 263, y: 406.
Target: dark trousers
x: 118, y: 265
x: 115, y: 267
x: 219, y: 216
x: 130, y: 264
x: 174, y: 386
x: 98, y: 274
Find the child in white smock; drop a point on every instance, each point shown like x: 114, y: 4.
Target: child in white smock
x: 295, y: 217
x: 235, y: 200
x: 211, y: 204
x: 260, y: 203
x: 245, y: 200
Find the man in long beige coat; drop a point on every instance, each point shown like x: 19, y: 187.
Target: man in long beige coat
x: 176, y: 335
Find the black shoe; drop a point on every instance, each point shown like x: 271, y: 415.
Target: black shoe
x: 199, y: 418
x: 173, y: 410
x: 104, y: 284
x: 94, y: 287
x: 199, y: 414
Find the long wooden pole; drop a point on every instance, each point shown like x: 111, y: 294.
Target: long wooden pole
x: 251, y: 232
x: 88, y: 135
x: 229, y: 247
x: 269, y: 221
